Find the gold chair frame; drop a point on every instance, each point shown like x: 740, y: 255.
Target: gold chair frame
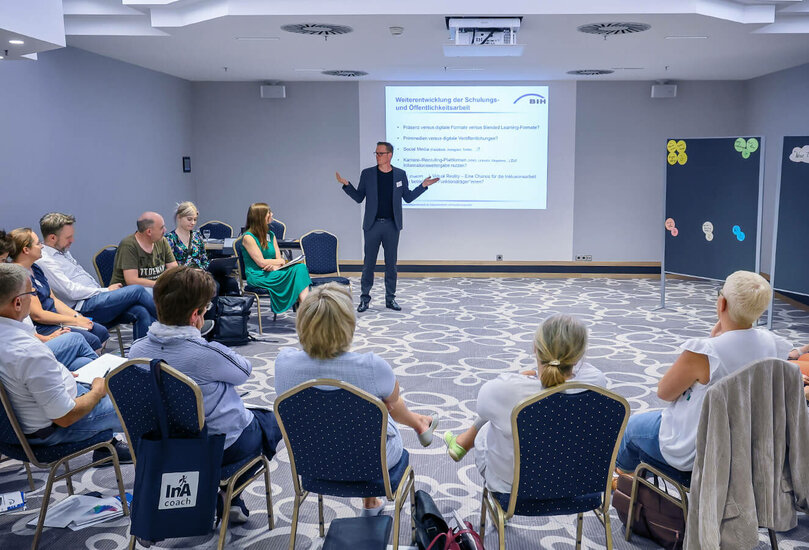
x: 116, y: 328
x: 242, y: 283
x: 492, y: 505
x: 336, y: 252
x: 398, y: 497
x: 282, y: 224
x: 54, y: 466
x: 229, y: 484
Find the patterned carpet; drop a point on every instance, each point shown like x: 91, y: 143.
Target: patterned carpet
x: 453, y: 335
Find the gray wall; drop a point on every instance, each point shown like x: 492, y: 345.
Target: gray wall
x: 620, y: 159
x: 280, y: 151
x: 776, y: 107
x: 94, y: 137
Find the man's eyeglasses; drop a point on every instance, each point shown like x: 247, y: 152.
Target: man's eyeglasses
x: 377, y: 153
x: 29, y: 293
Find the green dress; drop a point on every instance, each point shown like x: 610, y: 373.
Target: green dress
x: 285, y: 285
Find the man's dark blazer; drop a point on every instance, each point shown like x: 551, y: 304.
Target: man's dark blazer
x: 367, y: 189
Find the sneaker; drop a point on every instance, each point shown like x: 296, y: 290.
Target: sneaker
x: 121, y: 449
x: 239, y: 513
x: 207, y: 327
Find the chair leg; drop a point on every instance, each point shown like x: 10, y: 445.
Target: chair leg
x: 258, y: 311
x: 608, y: 529
x: 120, y: 341
x: 69, y: 479
x: 397, y: 509
x: 773, y: 539
x: 223, y: 529
x: 412, y: 514
x: 30, y: 477
x: 119, y: 478
x: 268, y: 494
x: 579, y: 528
x: 320, y: 523
x: 132, y: 543
x: 294, y: 527
x: 43, y: 510
x: 483, y: 514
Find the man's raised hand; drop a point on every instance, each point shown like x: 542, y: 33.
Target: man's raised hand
x: 428, y: 181
x: 341, y: 179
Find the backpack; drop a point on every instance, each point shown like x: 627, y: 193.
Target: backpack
x: 232, y: 314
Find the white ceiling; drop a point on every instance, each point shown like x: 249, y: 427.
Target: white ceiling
x: 197, y: 39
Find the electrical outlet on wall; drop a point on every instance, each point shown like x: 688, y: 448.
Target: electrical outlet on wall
x: 584, y: 258
x: 499, y: 257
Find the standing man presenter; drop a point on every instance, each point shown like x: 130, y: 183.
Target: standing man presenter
x: 383, y: 187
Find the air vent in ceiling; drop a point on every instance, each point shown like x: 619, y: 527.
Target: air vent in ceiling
x: 317, y: 29
x: 611, y: 29
x: 590, y: 72
x: 344, y: 73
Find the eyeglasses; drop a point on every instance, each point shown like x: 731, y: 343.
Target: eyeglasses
x: 29, y: 293
x: 377, y: 153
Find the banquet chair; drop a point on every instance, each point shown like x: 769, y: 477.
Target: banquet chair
x: 278, y: 228
x: 52, y: 457
x: 127, y: 385
x: 256, y: 291
x: 565, y: 446
x: 329, y: 418
x: 320, y: 253
x: 219, y: 230
x: 104, y: 262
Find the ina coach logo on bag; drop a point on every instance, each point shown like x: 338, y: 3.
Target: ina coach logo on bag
x: 178, y: 490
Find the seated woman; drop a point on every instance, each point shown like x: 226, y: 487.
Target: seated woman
x: 263, y: 261
x: 559, y: 346
x: 667, y: 439
x: 182, y: 295
x: 325, y: 325
x: 48, y: 312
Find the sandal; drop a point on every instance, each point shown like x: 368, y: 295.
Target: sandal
x: 426, y: 437
x: 455, y: 451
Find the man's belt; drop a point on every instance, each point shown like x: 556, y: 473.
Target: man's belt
x: 42, y: 433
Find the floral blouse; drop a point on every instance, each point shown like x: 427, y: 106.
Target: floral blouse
x: 194, y: 254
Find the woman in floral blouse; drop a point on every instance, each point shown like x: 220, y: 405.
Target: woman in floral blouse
x: 186, y: 244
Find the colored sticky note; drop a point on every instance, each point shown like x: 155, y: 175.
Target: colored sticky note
x: 674, y: 232
x: 671, y: 146
x: 682, y: 158
x: 708, y: 236
x: 740, y: 144
x: 681, y: 146
x: 752, y: 145
x: 672, y: 158
x: 669, y: 223
x: 745, y: 154
x: 740, y: 235
x: 707, y: 227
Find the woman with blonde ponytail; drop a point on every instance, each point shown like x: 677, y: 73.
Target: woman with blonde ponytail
x: 559, y: 346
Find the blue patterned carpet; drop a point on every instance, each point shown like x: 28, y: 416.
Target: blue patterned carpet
x: 453, y: 335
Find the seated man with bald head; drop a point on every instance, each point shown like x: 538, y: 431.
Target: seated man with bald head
x: 143, y: 256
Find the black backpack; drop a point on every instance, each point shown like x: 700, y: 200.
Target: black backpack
x: 231, y: 319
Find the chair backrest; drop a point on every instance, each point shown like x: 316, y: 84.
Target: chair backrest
x: 565, y: 444
x: 219, y: 230
x: 238, y: 248
x: 329, y: 418
x: 104, y: 262
x: 130, y: 384
x: 278, y: 227
x: 10, y: 430
x: 320, y: 248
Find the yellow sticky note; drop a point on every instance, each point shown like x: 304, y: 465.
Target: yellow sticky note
x: 672, y: 158
x: 681, y: 146
x: 671, y: 146
x: 682, y: 158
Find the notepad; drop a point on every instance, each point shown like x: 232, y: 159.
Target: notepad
x: 294, y: 261
x: 99, y: 368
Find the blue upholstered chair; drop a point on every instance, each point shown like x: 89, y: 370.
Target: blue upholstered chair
x: 219, y: 230
x: 278, y: 228
x: 320, y: 248
x: 14, y: 444
x: 182, y: 399
x: 565, y: 446
x: 104, y: 262
x: 257, y: 291
x: 336, y: 436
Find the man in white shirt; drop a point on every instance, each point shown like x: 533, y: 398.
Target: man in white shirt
x: 80, y: 291
x: 50, y: 406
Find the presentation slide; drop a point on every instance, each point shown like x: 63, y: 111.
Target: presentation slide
x: 488, y: 144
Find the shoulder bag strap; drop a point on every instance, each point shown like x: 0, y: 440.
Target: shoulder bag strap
x: 157, y: 397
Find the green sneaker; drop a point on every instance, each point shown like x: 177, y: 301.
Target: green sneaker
x: 455, y: 451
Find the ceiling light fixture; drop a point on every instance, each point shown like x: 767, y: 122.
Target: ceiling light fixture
x: 16, y: 42
x: 317, y: 29
x: 613, y: 28
x: 345, y: 73
x: 396, y: 31
x: 590, y: 72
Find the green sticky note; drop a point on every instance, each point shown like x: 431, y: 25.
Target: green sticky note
x: 740, y: 144
x: 745, y: 154
x: 752, y: 145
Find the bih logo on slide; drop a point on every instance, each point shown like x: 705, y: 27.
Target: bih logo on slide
x: 178, y: 490
x: 676, y: 151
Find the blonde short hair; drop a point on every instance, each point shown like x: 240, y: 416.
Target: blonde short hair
x: 748, y: 295
x: 185, y: 209
x: 325, y: 321
x: 559, y: 343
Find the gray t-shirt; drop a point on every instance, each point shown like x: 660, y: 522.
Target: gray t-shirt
x: 367, y: 371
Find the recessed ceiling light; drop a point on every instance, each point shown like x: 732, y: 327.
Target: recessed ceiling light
x: 257, y: 38
x: 686, y: 37
x: 16, y: 42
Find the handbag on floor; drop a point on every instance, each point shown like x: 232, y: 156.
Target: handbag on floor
x: 654, y: 517
x: 433, y: 533
x: 176, y: 479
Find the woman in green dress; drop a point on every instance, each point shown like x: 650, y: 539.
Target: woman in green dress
x: 263, y: 261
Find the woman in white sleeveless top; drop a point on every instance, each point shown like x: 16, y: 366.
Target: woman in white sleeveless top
x: 668, y: 438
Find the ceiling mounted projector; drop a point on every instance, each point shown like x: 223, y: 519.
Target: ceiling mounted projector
x: 483, y: 37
